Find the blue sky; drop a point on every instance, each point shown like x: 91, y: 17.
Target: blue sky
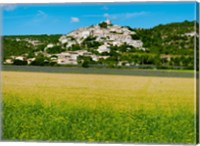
x: 63, y: 18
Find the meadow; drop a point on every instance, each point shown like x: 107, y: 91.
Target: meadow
x: 98, y: 108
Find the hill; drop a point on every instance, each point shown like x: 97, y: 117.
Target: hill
x: 107, y: 45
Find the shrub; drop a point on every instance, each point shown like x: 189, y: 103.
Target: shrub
x: 55, y: 49
x: 103, y: 25
x: 19, y: 62
x: 40, y: 61
x: 135, y: 37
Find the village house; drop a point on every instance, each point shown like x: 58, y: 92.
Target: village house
x: 8, y: 61
x: 64, y: 40
x: 50, y: 46
x: 67, y: 58
x: 103, y: 57
x: 124, y: 63
x: 103, y: 48
x: 18, y: 39
x: 20, y: 58
x: 71, y: 57
x: 85, y: 34
x: 166, y: 57
x: 191, y: 34
x: 29, y: 60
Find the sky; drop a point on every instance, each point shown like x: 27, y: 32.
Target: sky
x: 23, y: 19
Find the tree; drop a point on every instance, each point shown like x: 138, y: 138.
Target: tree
x: 75, y: 47
x: 85, y: 61
x: 85, y: 64
x: 40, y: 60
x: 19, y: 62
x: 40, y: 47
x: 103, y: 25
x: 55, y: 49
x: 135, y: 37
x: 31, y: 54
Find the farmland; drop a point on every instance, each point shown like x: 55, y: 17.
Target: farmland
x: 92, y: 107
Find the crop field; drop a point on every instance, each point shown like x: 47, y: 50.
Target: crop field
x: 66, y: 107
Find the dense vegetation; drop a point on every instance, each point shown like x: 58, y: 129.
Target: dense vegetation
x: 168, y: 39
x: 12, y: 47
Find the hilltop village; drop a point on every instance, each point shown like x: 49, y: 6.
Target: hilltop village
x: 103, y: 44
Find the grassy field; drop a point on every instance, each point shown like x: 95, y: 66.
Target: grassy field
x: 97, y: 108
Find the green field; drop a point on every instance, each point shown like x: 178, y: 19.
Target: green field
x: 98, y: 107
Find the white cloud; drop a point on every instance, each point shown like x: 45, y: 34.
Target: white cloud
x: 124, y: 15
x: 9, y: 7
x: 75, y: 19
x: 39, y: 17
x: 130, y: 15
x: 106, y: 15
x: 41, y: 14
x: 118, y: 15
x: 105, y: 8
x: 92, y: 16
